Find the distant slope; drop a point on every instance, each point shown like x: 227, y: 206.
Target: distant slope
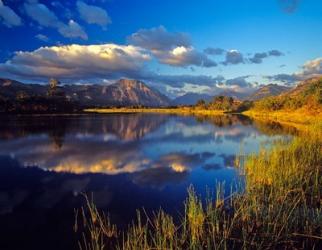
x: 306, y: 96
x: 122, y: 93
x: 9, y: 89
x: 307, y: 87
x: 266, y: 91
x: 191, y: 99
x: 133, y: 92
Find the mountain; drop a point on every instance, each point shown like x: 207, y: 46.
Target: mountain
x: 306, y: 87
x: 266, y: 91
x: 306, y: 96
x: 190, y: 99
x: 124, y: 92
x: 133, y: 92
x: 9, y: 89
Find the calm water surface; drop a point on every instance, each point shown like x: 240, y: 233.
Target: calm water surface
x: 126, y: 161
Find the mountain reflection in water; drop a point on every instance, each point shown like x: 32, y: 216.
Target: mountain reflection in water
x: 127, y: 161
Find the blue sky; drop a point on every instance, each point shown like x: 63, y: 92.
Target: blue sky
x: 175, y: 46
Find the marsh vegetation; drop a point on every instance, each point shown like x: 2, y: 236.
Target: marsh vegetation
x: 278, y: 205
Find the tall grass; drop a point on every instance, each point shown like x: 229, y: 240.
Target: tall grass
x: 280, y: 208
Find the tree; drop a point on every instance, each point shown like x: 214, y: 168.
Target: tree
x: 222, y: 103
x: 53, y: 90
x: 53, y: 83
x: 201, y: 103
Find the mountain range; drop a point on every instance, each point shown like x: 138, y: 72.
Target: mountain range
x: 267, y: 90
x: 124, y: 92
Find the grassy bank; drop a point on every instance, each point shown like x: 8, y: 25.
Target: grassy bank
x: 280, y: 208
x: 181, y: 111
x: 292, y: 117
x: 288, y: 117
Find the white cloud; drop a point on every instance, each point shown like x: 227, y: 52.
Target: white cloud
x: 310, y: 69
x: 77, y: 62
x: 45, y: 17
x: 73, y: 30
x: 313, y: 67
x: 170, y: 48
x: 185, y: 56
x: 233, y: 57
x: 159, y: 39
x: 8, y: 16
x: 42, y: 37
x: 93, y: 14
x: 41, y: 14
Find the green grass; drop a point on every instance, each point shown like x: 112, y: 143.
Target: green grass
x: 280, y: 208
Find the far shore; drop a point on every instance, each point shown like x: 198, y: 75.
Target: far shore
x: 299, y: 118
x: 182, y: 111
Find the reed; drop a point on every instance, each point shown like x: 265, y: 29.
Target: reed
x: 279, y: 207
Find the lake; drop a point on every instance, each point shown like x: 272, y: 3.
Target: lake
x: 124, y: 161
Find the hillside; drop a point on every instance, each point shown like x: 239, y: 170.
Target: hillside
x: 9, y: 89
x: 122, y: 93
x: 266, y: 91
x: 306, y: 96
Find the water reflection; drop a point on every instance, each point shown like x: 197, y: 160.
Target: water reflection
x: 115, y: 144
x: 126, y: 161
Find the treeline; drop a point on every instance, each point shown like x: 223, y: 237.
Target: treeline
x: 55, y: 101
x: 224, y: 103
x: 307, y: 95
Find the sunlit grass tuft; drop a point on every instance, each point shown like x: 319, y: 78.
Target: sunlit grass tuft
x: 279, y: 208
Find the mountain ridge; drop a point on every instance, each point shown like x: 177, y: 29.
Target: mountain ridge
x: 268, y: 90
x: 124, y: 92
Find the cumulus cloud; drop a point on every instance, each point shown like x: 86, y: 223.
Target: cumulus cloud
x: 233, y: 57
x: 72, y: 30
x: 8, y: 16
x: 93, y: 63
x: 41, y: 14
x: 159, y: 39
x: 284, y: 78
x: 239, y: 81
x: 170, y: 48
x: 214, y: 51
x: 310, y: 69
x: 45, y: 17
x: 183, y: 56
x: 238, y: 87
x: 258, y: 57
x: 93, y: 14
x: 275, y: 52
x: 77, y: 62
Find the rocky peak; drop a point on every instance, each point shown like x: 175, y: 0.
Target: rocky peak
x: 129, y: 83
x: 5, y: 82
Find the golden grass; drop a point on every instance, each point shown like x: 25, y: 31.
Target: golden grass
x: 288, y: 117
x: 181, y: 111
x: 279, y: 208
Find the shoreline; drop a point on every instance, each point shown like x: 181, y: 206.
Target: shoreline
x: 182, y: 111
x: 290, y: 118
x: 299, y: 119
